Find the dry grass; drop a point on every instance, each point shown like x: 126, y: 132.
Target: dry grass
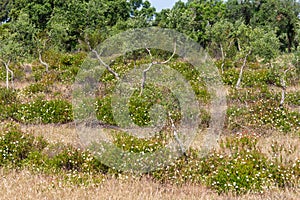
x: 289, y: 144
x: 65, y: 133
x: 24, y: 185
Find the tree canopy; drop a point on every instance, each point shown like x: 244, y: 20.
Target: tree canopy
x: 65, y: 24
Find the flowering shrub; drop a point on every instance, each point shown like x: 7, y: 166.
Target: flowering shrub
x: 72, y: 159
x: 41, y: 111
x: 267, y: 112
x: 239, y: 167
x: 104, y: 110
x: 15, y: 146
x: 35, y: 88
x: 132, y: 144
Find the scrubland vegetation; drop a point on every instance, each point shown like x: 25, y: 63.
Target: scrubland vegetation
x: 255, y: 46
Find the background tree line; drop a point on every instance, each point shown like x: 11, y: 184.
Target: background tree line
x: 235, y: 29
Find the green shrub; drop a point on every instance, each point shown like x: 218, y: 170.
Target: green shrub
x: 38, y: 72
x: 236, y: 117
x: 7, y: 96
x: 227, y: 64
x: 35, y: 88
x: 140, y: 105
x: 293, y: 98
x: 8, y: 103
x: 252, y: 95
x: 41, y: 111
x: 15, y: 146
x: 18, y: 72
x: 132, y: 144
x: 268, y: 112
x: 70, y: 159
x: 230, y: 76
x: 253, y: 78
x: 68, y: 75
x: 70, y: 65
x: 104, y: 110
x: 239, y: 167
x: 73, y: 59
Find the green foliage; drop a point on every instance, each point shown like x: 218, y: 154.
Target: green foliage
x: 230, y: 76
x: 293, y: 98
x: 140, y: 105
x: 245, y: 168
x: 132, y: 144
x: 8, y: 101
x: 256, y: 78
x: 268, y: 112
x: 41, y: 111
x: 104, y: 110
x: 230, y: 29
x: 76, y: 160
x: 7, y: 96
x: 70, y: 65
x: 238, y: 167
x: 35, y: 88
x: 260, y: 108
x: 15, y: 146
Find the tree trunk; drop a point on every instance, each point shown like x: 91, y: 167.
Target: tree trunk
x: 42, y: 62
x: 241, y: 71
x: 7, y: 75
x: 283, y: 87
x: 223, y: 59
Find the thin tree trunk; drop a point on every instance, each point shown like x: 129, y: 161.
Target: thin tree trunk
x: 242, y: 70
x: 223, y: 58
x: 283, y: 87
x: 239, y: 46
x: 7, y: 74
x: 43, y: 62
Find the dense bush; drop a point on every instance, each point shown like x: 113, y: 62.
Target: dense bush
x: 41, y: 111
x: 8, y: 102
x: 268, y: 112
x: 15, y: 146
x: 69, y: 67
x: 104, y: 110
x: 132, y: 144
x: 72, y: 159
x: 245, y: 168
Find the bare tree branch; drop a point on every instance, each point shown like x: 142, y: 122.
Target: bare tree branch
x: 102, y: 62
x: 8, y: 70
x: 241, y: 71
x: 152, y: 64
x: 283, y: 86
x: 43, y: 62
x: 149, y: 51
x: 144, y: 78
x: 223, y: 58
x: 174, y: 53
x: 224, y: 54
